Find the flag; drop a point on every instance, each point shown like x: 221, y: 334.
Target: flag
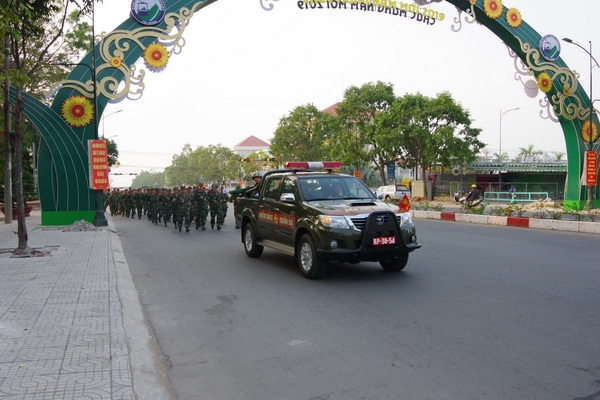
x: 404, y: 204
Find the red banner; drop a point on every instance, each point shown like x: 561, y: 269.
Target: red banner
x: 591, y: 168
x: 98, y: 158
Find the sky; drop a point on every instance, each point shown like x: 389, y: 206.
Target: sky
x: 243, y: 68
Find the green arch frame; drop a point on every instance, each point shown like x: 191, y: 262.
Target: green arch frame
x: 65, y: 192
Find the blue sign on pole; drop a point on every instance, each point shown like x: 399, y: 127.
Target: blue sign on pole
x: 391, y: 170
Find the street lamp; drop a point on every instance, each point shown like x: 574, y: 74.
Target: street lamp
x: 106, y: 116
x: 500, y: 131
x: 590, y: 143
x: 502, y: 113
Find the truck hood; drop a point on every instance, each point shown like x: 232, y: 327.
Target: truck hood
x: 350, y: 207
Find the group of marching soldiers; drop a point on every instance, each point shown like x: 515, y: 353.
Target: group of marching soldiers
x: 184, y: 205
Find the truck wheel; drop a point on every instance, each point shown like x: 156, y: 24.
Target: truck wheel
x: 252, y: 248
x: 311, y: 265
x: 394, y: 263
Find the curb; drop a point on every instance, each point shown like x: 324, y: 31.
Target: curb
x: 520, y: 222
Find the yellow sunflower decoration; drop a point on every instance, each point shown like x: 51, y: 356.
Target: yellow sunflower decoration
x: 77, y: 111
x: 544, y: 82
x: 156, y: 57
x: 585, y: 131
x: 513, y: 17
x: 492, y: 8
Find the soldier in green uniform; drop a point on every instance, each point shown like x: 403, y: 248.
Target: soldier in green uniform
x: 187, y: 205
x: 152, y: 205
x: 182, y: 202
x: 160, y: 205
x: 213, y: 204
x: 113, y: 202
x: 256, y: 177
x: 200, y: 207
x: 222, y: 198
x: 173, y: 199
x: 166, y: 206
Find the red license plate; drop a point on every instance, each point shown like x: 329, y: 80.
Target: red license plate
x: 384, y: 241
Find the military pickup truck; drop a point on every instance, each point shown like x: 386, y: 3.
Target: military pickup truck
x: 322, y: 217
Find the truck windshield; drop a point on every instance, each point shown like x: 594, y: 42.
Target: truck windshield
x: 328, y: 187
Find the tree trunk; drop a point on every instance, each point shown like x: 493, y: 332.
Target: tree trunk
x: 7, y: 147
x: 22, y: 227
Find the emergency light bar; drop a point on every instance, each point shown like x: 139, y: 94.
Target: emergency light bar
x: 313, y: 165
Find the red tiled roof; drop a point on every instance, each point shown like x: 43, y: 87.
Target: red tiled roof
x: 332, y: 109
x: 252, y: 141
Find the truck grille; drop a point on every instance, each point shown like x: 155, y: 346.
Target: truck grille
x: 361, y: 221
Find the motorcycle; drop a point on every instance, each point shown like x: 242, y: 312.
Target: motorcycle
x: 461, y: 198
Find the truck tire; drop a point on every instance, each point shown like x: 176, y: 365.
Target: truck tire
x: 310, y: 264
x: 253, y: 249
x: 394, y: 263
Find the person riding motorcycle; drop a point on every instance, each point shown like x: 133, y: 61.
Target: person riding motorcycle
x: 474, y: 194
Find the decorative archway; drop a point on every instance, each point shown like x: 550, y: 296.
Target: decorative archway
x: 108, y: 74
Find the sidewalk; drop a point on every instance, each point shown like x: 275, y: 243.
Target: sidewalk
x: 71, y: 325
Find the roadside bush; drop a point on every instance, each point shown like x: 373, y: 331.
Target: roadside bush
x: 426, y: 206
x: 578, y: 215
x: 477, y: 209
x: 508, y: 211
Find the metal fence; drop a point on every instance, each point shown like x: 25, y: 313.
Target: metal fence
x: 451, y: 187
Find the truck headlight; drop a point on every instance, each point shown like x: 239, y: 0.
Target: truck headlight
x: 334, y: 222
x: 405, y: 218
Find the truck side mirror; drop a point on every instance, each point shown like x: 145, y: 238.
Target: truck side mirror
x: 287, y: 198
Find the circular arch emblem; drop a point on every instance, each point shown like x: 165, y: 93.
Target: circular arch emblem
x: 148, y: 12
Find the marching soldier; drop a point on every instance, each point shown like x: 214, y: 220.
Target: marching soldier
x: 200, y: 207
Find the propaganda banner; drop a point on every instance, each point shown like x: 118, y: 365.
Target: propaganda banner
x: 98, y: 161
x: 591, y: 168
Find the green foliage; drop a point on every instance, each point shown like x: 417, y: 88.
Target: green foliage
x: 257, y: 161
x: 426, y: 206
x: 507, y: 211
x: 543, y: 211
x: 113, y: 152
x: 205, y: 164
x: 360, y: 140
x: 576, y: 214
x: 149, y: 179
x: 303, y: 135
x: 476, y: 209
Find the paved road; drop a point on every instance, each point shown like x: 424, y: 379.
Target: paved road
x: 480, y: 312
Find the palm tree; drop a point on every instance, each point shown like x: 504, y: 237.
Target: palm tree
x: 528, y: 151
x: 502, y: 157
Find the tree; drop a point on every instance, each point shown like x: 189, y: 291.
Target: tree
x: 528, y: 151
x: 431, y: 132
x: 302, y: 135
x: 113, y: 152
x: 19, y: 34
x: 149, y: 179
x: 502, y: 157
x: 359, y: 138
x: 205, y: 164
x: 258, y: 161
